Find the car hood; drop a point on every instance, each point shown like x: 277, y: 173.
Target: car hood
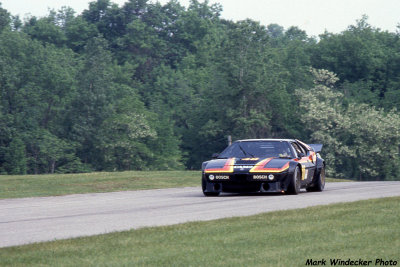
x: 252, y: 165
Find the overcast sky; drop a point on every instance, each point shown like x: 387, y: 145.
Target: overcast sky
x: 313, y: 16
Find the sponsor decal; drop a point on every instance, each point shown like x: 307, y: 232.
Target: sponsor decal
x: 260, y: 177
x: 221, y: 177
x: 213, y: 177
x: 242, y: 167
x: 250, y: 159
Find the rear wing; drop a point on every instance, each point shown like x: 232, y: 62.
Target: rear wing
x: 316, y: 147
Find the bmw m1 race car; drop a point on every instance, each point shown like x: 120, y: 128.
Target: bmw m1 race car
x: 265, y: 165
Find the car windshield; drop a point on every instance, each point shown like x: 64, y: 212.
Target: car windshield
x: 257, y: 149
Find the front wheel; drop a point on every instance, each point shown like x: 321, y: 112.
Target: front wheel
x: 294, y: 185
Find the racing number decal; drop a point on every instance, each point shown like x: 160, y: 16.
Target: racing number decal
x: 304, y: 172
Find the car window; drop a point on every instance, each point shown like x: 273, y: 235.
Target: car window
x: 304, y: 146
x: 257, y: 149
x: 306, y: 151
x: 298, y: 148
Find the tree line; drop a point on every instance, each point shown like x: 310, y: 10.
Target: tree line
x: 150, y: 86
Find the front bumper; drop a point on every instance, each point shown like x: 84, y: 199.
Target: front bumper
x: 246, y: 182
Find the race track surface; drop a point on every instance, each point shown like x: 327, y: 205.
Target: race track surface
x: 30, y: 220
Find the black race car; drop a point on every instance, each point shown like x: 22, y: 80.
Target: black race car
x: 264, y: 165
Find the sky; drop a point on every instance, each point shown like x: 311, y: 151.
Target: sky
x: 313, y: 16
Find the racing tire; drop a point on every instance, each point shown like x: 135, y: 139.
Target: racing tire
x: 211, y: 194
x: 294, y: 185
x: 319, y: 184
x: 204, y: 186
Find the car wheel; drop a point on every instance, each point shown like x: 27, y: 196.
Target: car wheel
x: 294, y: 185
x: 204, y: 186
x: 319, y: 184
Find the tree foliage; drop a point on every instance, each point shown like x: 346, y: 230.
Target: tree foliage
x: 359, y: 139
x: 160, y: 86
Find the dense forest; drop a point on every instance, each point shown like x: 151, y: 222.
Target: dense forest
x: 150, y: 86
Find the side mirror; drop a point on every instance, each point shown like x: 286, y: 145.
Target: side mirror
x: 215, y: 155
x: 300, y: 155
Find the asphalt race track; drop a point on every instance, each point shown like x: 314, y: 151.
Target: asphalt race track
x: 30, y: 220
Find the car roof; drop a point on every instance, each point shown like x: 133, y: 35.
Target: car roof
x: 269, y: 139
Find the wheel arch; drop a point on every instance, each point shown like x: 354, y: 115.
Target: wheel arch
x: 293, y: 165
x: 319, y: 165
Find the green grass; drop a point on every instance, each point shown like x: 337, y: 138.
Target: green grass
x: 15, y: 186
x: 366, y: 229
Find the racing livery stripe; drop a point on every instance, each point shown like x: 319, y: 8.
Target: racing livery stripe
x: 227, y: 168
x: 262, y: 167
x: 313, y: 156
x: 259, y: 167
x: 304, y: 159
x: 273, y: 170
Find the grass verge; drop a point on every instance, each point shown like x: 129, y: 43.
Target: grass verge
x: 367, y: 230
x: 15, y: 186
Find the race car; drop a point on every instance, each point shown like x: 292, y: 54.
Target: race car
x: 265, y: 165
